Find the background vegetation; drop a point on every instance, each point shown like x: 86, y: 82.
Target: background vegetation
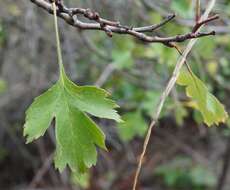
x: 183, y: 152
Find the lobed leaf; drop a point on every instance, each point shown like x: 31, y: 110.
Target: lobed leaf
x: 76, y: 134
x: 212, y: 111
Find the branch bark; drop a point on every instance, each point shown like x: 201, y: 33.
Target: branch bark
x: 70, y: 15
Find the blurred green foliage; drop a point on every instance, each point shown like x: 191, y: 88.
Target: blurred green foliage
x: 133, y: 125
x: 2, y: 33
x: 151, y: 101
x: 3, y: 85
x: 136, y: 59
x: 146, y: 101
x: 183, y: 8
x: 3, y: 153
x: 122, y: 56
x: 182, y: 173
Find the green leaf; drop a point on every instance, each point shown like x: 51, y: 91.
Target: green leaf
x: 76, y: 133
x: 212, y: 111
x: 133, y: 125
x: 66, y: 103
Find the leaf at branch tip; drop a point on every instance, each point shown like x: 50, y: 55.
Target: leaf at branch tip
x: 76, y: 134
x: 213, y: 112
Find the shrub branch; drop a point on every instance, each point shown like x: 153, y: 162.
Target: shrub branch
x: 96, y: 22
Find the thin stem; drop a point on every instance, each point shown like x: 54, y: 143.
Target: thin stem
x: 197, y: 11
x: 59, y: 52
x: 167, y: 91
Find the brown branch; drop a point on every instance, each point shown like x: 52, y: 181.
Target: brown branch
x: 70, y: 15
x: 203, y: 22
x: 197, y: 11
x: 155, y: 26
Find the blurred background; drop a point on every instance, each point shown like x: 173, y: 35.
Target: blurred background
x: 183, y: 153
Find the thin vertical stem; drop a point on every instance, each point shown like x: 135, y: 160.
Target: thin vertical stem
x: 167, y: 91
x: 197, y: 11
x: 59, y: 52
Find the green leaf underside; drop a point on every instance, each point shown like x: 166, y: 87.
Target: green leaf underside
x: 76, y: 134
x: 212, y: 111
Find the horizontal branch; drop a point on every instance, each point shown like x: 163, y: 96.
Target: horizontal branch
x: 70, y: 15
